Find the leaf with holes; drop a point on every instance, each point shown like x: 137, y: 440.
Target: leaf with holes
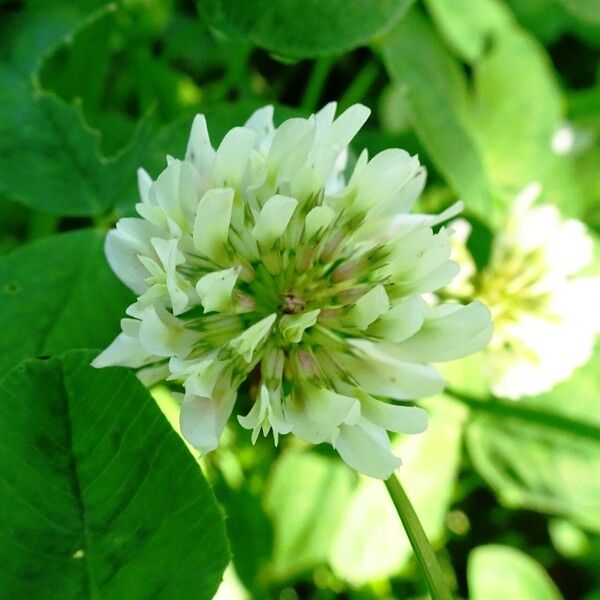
x: 100, y: 498
x: 58, y: 293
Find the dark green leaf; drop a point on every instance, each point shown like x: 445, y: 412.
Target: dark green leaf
x: 50, y: 159
x: 304, y: 28
x: 58, y: 293
x: 100, y: 497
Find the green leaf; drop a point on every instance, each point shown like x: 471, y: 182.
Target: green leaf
x: 304, y: 28
x: 437, y: 100
x: 58, y: 293
x: 50, y: 158
x: 31, y: 34
x: 371, y: 543
x: 306, y: 497
x: 586, y: 10
x: 543, y: 453
x: 249, y: 532
x: 514, y: 127
x: 498, y: 572
x: 100, y: 497
x: 469, y: 26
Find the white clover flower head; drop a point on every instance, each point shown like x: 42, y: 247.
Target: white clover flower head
x: 259, y: 268
x: 546, y: 317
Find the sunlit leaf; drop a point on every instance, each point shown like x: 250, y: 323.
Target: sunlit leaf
x: 306, y: 498
x: 438, y: 105
x: 500, y: 572
x: 371, y: 543
x: 544, y: 453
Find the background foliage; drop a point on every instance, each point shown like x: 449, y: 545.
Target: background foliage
x: 98, y: 496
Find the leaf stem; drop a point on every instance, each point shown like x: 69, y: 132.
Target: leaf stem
x: 538, y: 415
x: 418, y: 540
x: 316, y: 83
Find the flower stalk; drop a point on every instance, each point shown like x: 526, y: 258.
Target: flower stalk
x: 418, y: 540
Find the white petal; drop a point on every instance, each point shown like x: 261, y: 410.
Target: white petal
x: 369, y: 307
x: 380, y: 373
x: 291, y: 144
x: 247, y: 342
x: 198, y: 422
x: 394, y: 417
x: 167, y: 251
x: 124, y: 351
x: 163, y: 334
x: 261, y: 121
x: 144, y: 183
x: 292, y: 327
x: 317, y: 221
x: 232, y: 157
x: 401, y: 321
x: 273, y: 219
x: 211, y: 226
x: 199, y: 150
x: 447, y: 335
x: 346, y: 126
x: 366, y: 448
x: 215, y: 289
x: 122, y: 247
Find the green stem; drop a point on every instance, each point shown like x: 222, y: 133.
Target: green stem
x: 361, y: 85
x: 418, y: 540
x: 314, y: 88
x: 537, y: 415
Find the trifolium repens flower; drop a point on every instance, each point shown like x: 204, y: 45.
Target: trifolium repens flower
x: 262, y: 273
x: 546, y: 317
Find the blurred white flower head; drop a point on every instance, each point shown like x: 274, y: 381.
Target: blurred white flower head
x: 546, y: 318
x: 259, y: 268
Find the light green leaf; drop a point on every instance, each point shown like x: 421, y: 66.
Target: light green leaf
x: 58, y: 293
x: 304, y: 28
x: 517, y: 126
x: 100, y: 497
x: 50, y: 158
x: 498, y: 572
x: 469, y: 26
x: 306, y: 497
x: 544, y: 453
x: 437, y: 98
x: 371, y: 543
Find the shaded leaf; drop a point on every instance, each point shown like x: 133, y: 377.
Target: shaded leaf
x: 304, y: 28
x: 58, y: 293
x: 50, y: 159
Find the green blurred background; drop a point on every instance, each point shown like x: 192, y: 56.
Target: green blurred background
x: 482, y: 90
